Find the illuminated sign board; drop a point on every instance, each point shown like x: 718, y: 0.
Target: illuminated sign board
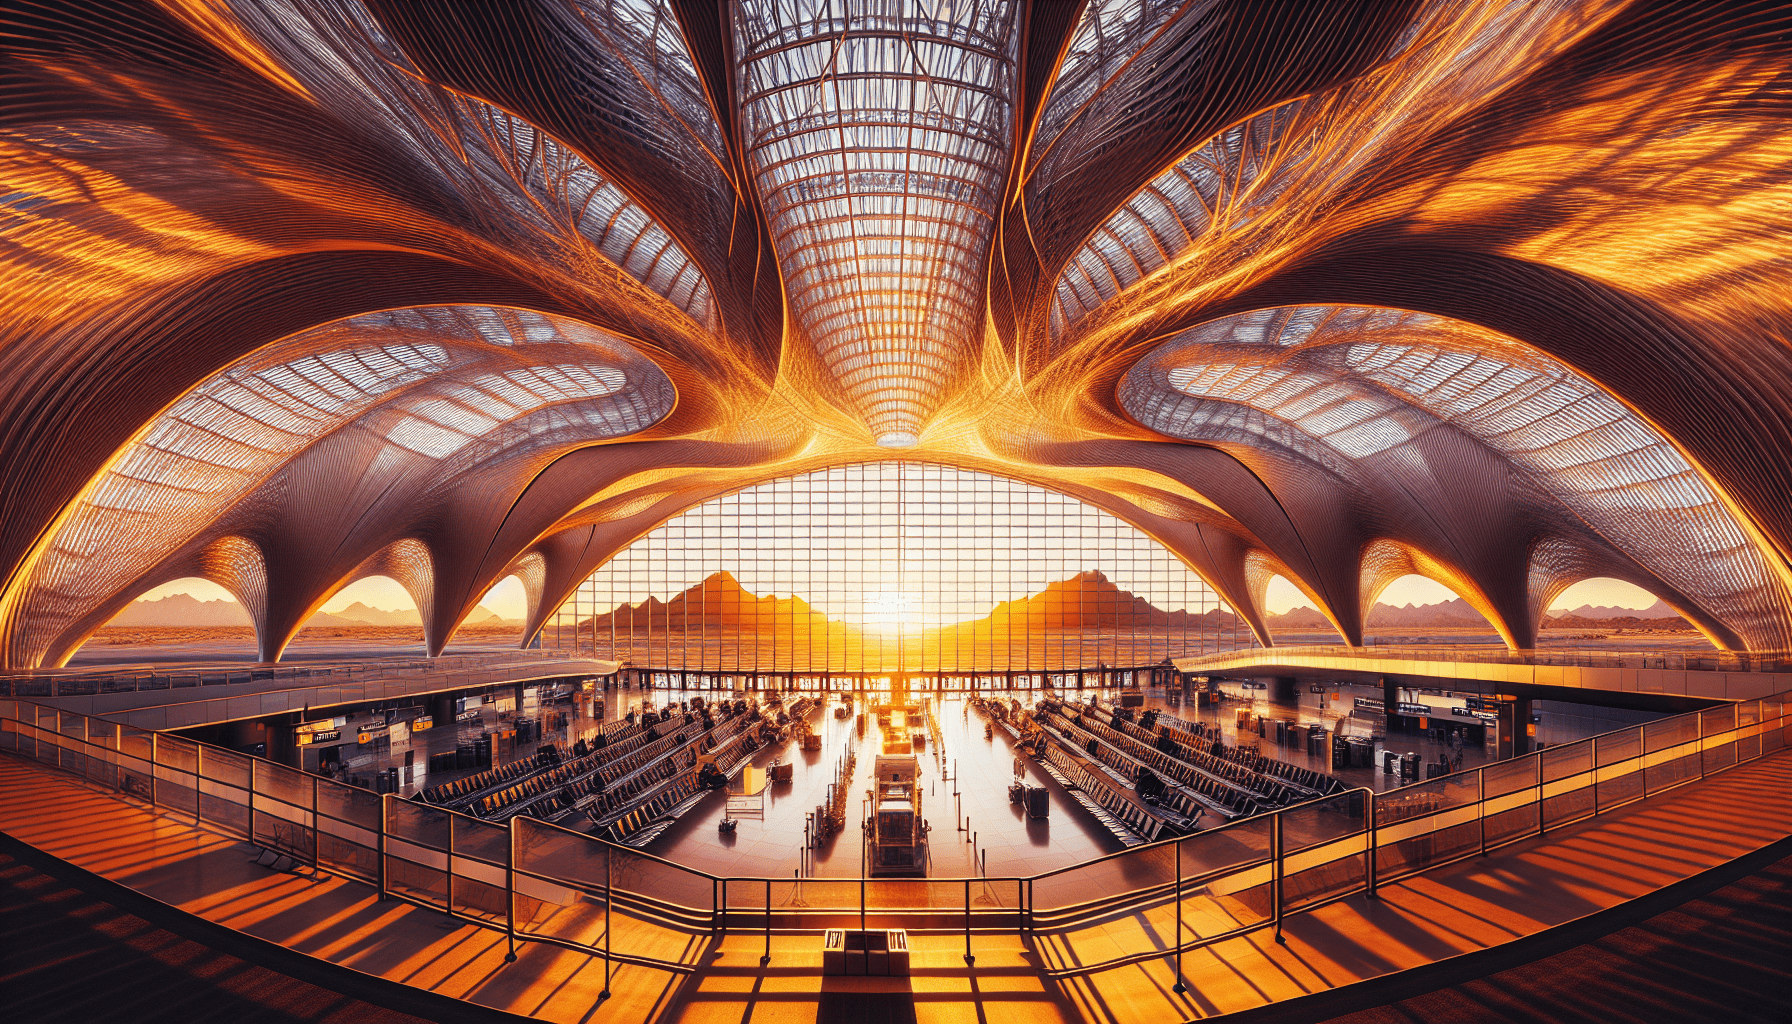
x: 1402, y: 708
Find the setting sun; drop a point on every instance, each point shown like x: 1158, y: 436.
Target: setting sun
x: 889, y: 612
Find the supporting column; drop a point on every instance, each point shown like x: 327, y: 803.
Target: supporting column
x: 441, y: 709
x: 1522, y: 741
x: 1390, y: 705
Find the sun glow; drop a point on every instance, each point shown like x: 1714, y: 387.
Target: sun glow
x: 891, y: 612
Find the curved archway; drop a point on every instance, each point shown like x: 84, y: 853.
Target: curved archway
x: 180, y: 612
x: 377, y: 601
x: 1414, y: 601
x: 1603, y: 603
x: 498, y: 618
x: 1292, y: 616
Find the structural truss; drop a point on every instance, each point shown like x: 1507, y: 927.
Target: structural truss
x: 299, y: 292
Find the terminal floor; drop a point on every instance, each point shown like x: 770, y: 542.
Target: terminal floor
x: 963, y: 779
x: 964, y: 795
x: 75, y: 948
x: 1725, y: 956
x: 1462, y: 908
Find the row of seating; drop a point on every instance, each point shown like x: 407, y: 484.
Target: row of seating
x: 1127, y: 820
x: 579, y: 776
x: 1313, y: 782
x: 470, y: 786
x: 678, y: 785
x: 730, y: 736
x: 550, y: 774
x: 735, y: 750
x: 620, y: 801
x: 1176, y: 803
x: 1269, y: 791
x: 1214, y: 793
x: 1237, y: 794
x: 572, y: 789
x: 644, y: 824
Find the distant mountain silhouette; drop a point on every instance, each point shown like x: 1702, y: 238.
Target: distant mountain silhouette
x: 181, y: 610
x: 359, y: 614
x: 1459, y: 613
x: 1090, y: 599
x: 1087, y: 600
x: 1445, y: 613
x: 184, y: 611
x: 719, y: 600
x: 1382, y: 616
x: 1658, y: 610
x: 1298, y: 618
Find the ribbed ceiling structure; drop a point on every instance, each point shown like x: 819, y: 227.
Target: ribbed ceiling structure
x: 300, y: 291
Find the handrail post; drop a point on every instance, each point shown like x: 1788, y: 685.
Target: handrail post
x: 1276, y: 880
x: 1374, y: 859
x: 1179, y: 988
x: 252, y: 791
x: 609, y: 902
x: 1539, y: 758
x: 1481, y: 806
x: 451, y: 865
x: 154, y: 755
x: 314, y: 824
x: 383, y: 879
x: 1593, y: 745
x: 968, y: 958
x: 1642, y: 759
x: 1699, y: 716
x: 766, y: 957
x: 509, y: 885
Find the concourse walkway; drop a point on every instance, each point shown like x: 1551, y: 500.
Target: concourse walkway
x: 1461, y: 908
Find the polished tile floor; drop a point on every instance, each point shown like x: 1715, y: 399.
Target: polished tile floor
x: 975, y: 828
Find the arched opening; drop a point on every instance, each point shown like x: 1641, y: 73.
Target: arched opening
x: 1292, y: 616
x: 497, y: 620
x: 894, y: 567
x: 187, y: 614
x: 372, y: 607
x: 1604, y: 603
x: 189, y: 602
x: 1417, y: 606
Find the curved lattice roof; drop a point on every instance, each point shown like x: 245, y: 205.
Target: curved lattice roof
x: 305, y: 290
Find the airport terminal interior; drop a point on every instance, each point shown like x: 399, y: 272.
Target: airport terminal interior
x: 922, y: 511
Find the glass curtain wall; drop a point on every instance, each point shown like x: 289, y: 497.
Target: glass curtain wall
x: 894, y: 567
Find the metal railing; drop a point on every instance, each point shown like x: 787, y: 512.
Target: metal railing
x: 73, y: 683
x: 1706, y: 660
x: 537, y: 882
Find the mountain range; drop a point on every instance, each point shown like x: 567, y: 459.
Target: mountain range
x: 1090, y: 599
x: 1458, y: 612
x: 1086, y: 600
x: 719, y: 600
x: 187, y: 611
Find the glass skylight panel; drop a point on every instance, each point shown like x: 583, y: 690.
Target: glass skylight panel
x: 880, y: 153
